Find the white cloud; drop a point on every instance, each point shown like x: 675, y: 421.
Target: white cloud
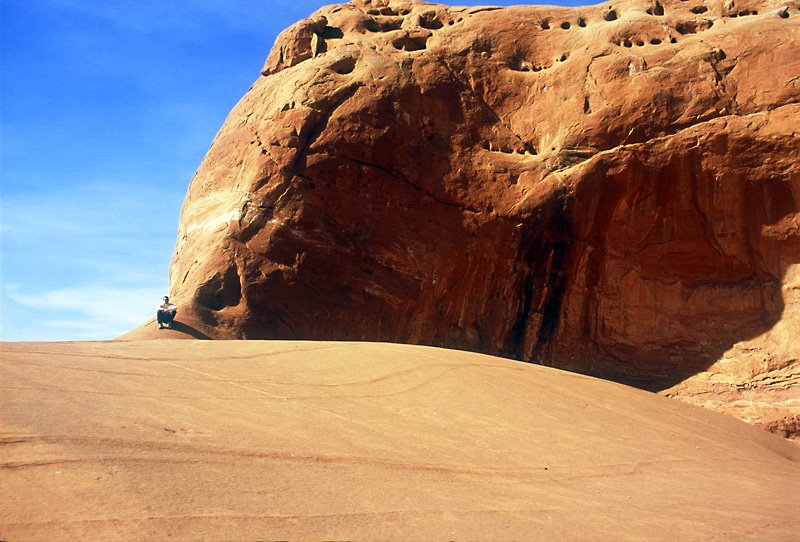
x: 83, y: 313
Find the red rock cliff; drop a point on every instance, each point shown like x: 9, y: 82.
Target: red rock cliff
x: 610, y: 189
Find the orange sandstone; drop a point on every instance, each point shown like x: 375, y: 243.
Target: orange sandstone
x: 609, y: 189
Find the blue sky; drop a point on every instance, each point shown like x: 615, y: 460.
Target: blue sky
x: 106, y: 110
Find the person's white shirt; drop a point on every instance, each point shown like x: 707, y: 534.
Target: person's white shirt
x: 167, y: 307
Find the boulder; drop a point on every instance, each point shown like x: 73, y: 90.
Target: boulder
x: 611, y: 189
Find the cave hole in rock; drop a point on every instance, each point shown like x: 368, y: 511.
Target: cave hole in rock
x: 430, y: 20
x: 784, y: 13
x: 691, y: 27
x: 639, y: 43
x: 522, y: 66
x: 343, y: 66
x: 565, y: 25
x: 545, y: 25
x: 582, y: 22
x: 221, y: 290
x: 673, y: 40
x: 655, y: 41
x: 332, y: 33
x: 383, y: 26
x: 611, y: 15
x: 563, y: 58
x: 627, y: 43
x: 698, y: 10
x: 411, y: 43
x: 656, y: 9
x: 386, y: 11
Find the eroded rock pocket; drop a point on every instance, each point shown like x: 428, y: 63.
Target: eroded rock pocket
x: 343, y: 66
x: 388, y: 11
x: 388, y: 25
x: 411, y: 43
x: 430, y: 20
x: 221, y: 290
x: 692, y: 27
x: 656, y: 9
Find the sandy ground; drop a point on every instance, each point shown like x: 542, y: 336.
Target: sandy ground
x: 191, y: 440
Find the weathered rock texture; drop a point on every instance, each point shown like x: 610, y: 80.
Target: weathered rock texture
x: 610, y: 189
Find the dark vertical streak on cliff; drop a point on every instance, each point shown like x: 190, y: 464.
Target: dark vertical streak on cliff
x: 551, y: 311
x: 528, y: 251
x: 542, y: 257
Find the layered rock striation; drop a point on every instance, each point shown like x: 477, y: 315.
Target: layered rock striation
x: 610, y: 189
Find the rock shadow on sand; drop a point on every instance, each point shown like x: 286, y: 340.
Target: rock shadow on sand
x: 182, y: 327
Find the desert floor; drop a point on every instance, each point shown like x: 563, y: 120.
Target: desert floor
x: 257, y: 440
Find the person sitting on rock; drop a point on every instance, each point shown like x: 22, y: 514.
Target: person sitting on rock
x: 166, y: 313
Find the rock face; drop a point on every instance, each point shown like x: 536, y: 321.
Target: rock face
x: 610, y: 189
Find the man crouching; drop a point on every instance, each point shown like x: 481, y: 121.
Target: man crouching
x: 166, y: 313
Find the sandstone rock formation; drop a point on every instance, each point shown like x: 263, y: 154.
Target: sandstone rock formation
x: 610, y: 189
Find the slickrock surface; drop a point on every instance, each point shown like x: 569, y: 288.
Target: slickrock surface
x: 609, y: 189
x: 252, y: 440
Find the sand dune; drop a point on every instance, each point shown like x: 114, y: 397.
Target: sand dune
x: 317, y: 440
